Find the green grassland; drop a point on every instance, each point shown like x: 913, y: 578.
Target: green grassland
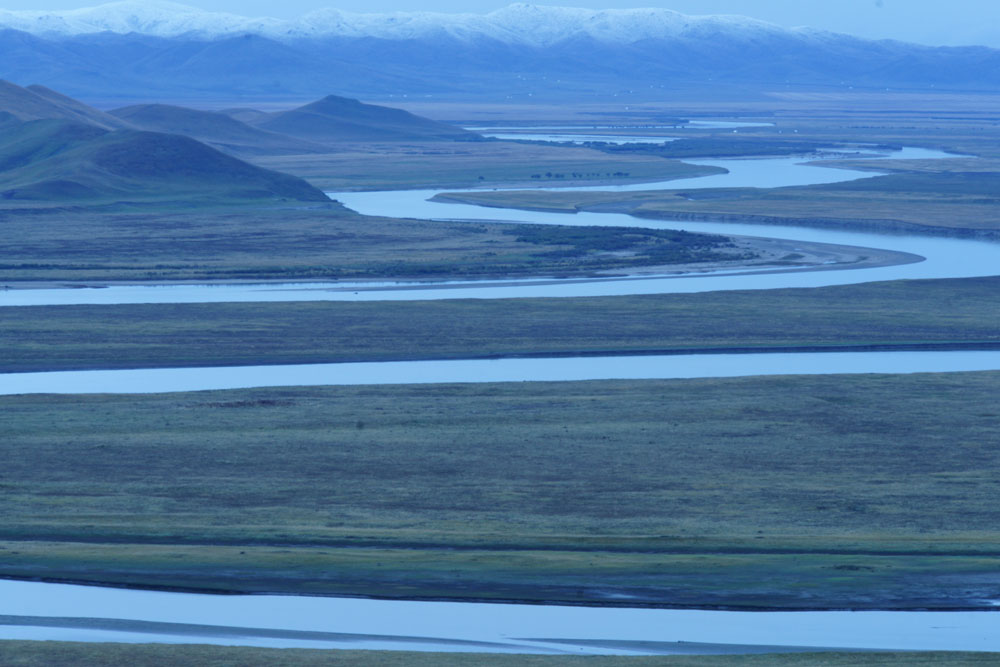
x: 311, y: 242
x: 867, y: 491
x: 55, y: 160
x: 959, y: 313
x: 66, y: 654
x: 715, y: 146
x: 389, y: 166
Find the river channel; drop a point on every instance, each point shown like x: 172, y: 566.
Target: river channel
x: 943, y: 257
x: 33, y: 610
x: 640, y: 367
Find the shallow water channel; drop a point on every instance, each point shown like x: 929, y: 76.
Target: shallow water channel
x: 546, y: 369
x: 33, y: 610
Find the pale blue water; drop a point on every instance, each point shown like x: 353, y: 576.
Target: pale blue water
x: 619, y: 139
x: 494, y: 370
x: 508, y: 627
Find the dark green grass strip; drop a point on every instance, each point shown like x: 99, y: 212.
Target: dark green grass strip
x: 73, y: 654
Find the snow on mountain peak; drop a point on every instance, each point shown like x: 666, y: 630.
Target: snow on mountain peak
x: 518, y: 23
x: 148, y: 17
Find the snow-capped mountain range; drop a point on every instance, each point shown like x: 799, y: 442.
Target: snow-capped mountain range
x: 516, y: 24
x: 152, y: 49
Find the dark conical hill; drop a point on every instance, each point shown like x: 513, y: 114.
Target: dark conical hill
x: 339, y: 119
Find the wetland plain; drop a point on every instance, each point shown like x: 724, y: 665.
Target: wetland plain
x: 840, y: 492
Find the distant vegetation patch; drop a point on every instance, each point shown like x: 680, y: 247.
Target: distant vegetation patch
x: 645, y: 245
x: 728, y: 146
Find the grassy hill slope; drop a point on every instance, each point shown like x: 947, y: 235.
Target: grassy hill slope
x: 218, y: 129
x: 37, y: 102
x: 62, y: 160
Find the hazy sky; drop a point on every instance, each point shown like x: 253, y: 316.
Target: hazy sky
x: 925, y: 21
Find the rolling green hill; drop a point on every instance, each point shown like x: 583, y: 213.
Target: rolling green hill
x: 338, y: 119
x: 38, y: 102
x: 57, y: 160
x: 217, y: 129
x: 56, y: 149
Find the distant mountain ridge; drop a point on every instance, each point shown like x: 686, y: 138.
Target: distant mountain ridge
x: 515, y: 24
x: 139, y: 50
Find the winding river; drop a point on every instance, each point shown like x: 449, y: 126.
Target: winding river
x: 33, y: 610
x: 943, y: 257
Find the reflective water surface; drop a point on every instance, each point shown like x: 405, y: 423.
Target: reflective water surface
x: 694, y: 125
x: 152, y: 380
x: 620, y: 139
x: 43, y: 611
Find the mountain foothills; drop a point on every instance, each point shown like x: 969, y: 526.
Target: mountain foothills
x: 38, y: 102
x: 216, y: 129
x: 55, y: 148
x: 158, y: 49
x: 57, y: 160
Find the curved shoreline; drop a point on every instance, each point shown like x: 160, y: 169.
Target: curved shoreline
x: 983, y: 606
x: 811, y: 256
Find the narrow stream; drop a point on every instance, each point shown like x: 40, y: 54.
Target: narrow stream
x: 561, y: 369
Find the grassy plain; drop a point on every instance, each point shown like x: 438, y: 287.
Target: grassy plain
x: 962, y: 313
x: 955, y: 196
x: 324, y: 242
x: 473, y: 164
x: 65, y: 654
x: 799, y: 492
